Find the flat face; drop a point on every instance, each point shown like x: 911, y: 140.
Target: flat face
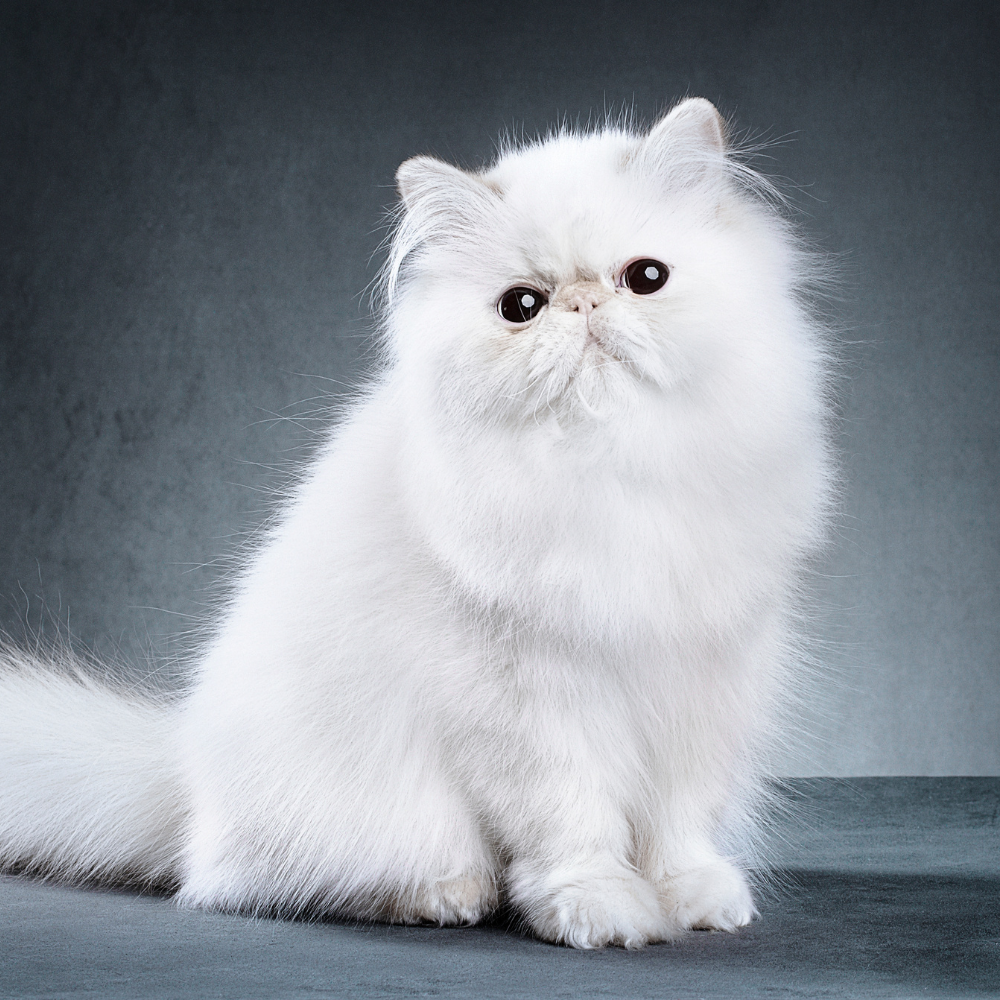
x: 585, y: 266
x: 573, y: 217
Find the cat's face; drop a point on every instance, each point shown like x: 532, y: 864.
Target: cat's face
x: 575, y: 274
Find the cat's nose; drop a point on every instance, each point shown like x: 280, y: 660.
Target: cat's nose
x: 582, y: 297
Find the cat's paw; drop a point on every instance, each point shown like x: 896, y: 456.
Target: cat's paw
x: 449, y: 902
x: 714, y: 896
x: 586, y: 910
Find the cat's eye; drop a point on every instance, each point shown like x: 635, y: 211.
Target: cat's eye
x: 520, y: 304
x: 644, y: 276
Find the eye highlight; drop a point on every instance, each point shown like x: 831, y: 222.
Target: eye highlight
x: 644, y: 276
x: 521, y: 304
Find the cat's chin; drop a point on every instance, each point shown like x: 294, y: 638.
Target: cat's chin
x: 604, y: 389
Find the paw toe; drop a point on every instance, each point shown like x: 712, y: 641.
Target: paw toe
x: 713, y: 897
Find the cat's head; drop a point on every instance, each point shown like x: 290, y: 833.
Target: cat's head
x: 581, y: 271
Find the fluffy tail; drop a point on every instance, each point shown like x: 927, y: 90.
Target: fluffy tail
x: 88, y: 784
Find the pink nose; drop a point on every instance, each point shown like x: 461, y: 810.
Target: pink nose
x: 582, y: 297
x: 583, y: 301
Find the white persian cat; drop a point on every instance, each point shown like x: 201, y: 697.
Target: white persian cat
x: 521, y: 629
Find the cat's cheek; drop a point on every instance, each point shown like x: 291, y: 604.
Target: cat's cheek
x: 484, y: 378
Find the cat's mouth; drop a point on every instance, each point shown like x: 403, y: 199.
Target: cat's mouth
x: 597, y: 355
x: 595, y: 368
x: 598, y: 348
x: 585, y: 362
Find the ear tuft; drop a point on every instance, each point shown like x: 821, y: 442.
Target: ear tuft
x: 423, y: 177
x: 684, y: 149
x: 441, y: 203
x: 415, y: 173
x: 694, y: 123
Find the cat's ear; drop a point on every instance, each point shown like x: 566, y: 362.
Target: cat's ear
x: 433, y: 188
x: 441, y: 204
x: 686, y: 146
x: 694, y: 123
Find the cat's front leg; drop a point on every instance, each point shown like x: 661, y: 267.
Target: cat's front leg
x: 698, y: 887
x: 700, y: 780
x: 550, y: 758
x: 571, y: 846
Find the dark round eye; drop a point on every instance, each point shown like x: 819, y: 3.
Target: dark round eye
x: 519, y: 304
x: 644, y: 276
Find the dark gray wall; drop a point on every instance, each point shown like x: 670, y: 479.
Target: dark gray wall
x: 191, y: 196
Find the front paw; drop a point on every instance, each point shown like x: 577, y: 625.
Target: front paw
x: 585, y: 907
x: 714, y: 896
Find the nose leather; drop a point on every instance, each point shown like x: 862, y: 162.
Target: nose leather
x: 581, y: 296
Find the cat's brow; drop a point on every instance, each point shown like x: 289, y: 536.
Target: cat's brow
x: 554, y: 279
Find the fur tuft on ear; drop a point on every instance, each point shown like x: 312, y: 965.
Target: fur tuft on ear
x: 439, y: 203
x: 687, y: 145
x: 695, y: 123
x: 423, y: 181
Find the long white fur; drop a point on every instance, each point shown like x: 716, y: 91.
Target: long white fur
x: 90, y: 788
x: 525, y: 625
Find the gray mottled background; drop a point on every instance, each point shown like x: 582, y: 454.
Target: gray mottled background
x: 190, y: 202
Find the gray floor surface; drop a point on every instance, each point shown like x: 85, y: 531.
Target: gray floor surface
x: 887, y: 887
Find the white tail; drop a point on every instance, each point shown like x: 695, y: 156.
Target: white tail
x: 88, y: 789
